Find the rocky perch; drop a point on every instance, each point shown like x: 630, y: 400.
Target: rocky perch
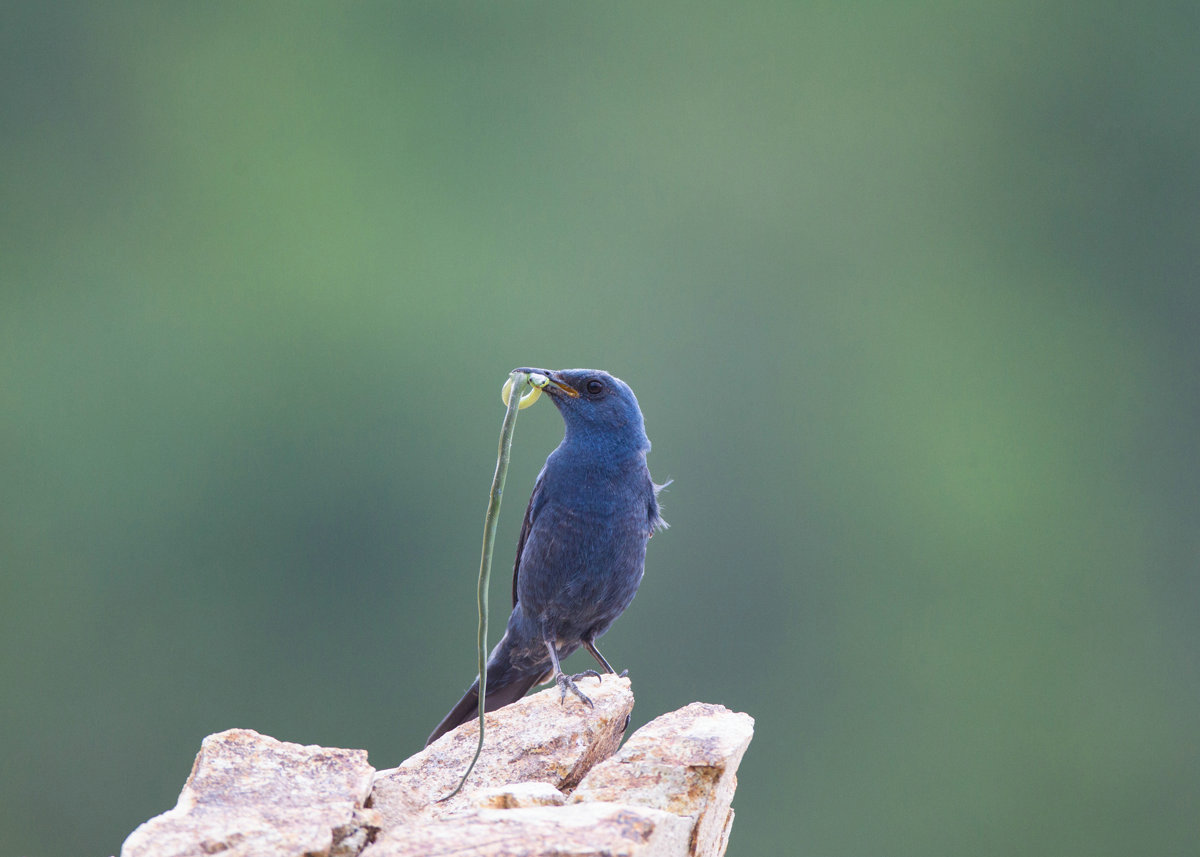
x: 551, y: 781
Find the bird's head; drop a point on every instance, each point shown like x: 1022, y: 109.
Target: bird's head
x: 596, y: 407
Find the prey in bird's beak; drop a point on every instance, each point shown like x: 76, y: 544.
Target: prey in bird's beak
x: 539, y: 380
x: 546, y: 382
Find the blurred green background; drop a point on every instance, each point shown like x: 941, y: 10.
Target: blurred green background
x: 908, y: 293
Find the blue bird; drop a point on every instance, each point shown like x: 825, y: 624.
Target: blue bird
x: 582, y: 548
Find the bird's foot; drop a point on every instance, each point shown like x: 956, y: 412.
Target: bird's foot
x: 567, y: 682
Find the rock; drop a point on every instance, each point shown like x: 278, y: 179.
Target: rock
x: 685, y: 763
x: 580, y: 830
x: 249, y: 794
x: 546, y: 784
x: 518, y: 796
x: 536, y: 739
x: 666, y: 793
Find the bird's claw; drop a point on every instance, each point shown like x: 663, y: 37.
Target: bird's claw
x: 567, y: 682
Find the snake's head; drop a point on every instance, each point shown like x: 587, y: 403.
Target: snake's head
x: 539, y: 380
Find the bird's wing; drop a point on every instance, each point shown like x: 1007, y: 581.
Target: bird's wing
x: 535, y: 504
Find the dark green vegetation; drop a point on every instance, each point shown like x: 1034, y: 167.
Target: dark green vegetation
x: 908, y: 293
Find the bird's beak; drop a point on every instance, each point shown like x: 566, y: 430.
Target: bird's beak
x: 554, y: 385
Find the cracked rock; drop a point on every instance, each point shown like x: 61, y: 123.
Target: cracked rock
x: 249, y: 794
x: 536, y: 739
x: 684, y: 762
x: 550, y: 783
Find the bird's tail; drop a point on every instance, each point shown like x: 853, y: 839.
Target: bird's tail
x: 506, y: 684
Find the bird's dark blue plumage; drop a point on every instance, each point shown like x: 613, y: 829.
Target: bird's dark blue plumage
x: 582, y: 547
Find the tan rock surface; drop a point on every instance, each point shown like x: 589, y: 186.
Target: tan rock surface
x: 548, y: 783
x: 580, y: 830
x: 518, y: 796
x: 684, y: 762
x: 536, y: 739
x: 249, y: 794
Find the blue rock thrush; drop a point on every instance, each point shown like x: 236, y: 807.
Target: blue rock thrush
x: 582, y: 548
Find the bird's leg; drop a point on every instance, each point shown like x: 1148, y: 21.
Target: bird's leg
x: 603, y: 661
x: 567, y: 682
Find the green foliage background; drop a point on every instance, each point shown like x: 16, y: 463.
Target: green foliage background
x: 908, y: 292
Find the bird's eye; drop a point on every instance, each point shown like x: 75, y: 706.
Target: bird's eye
x: 595, y: 387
